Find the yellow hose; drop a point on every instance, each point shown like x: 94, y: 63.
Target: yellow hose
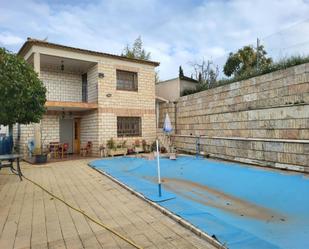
x: 83, y: 213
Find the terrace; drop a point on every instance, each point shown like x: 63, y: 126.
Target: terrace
x: 29, y: 217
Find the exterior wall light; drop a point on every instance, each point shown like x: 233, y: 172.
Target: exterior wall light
x: 101, y: 75
x: 109, y: 95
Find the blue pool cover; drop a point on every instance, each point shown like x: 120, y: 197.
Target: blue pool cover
x: 244, y: 207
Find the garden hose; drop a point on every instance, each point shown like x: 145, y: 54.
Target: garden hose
x: 86, y: 215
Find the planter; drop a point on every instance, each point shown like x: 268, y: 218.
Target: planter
x: 117, y: 152
x: 40, y: 159
x: 138, y: 149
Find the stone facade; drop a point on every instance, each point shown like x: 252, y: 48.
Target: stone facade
x: 126, y: 103
x: 263, y: 120
x: 89, y: 130
x: 62, y: 86
x: 64, y: 89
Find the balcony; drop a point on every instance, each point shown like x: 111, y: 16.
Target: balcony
x: 71, y: 84
x: 70, y: 106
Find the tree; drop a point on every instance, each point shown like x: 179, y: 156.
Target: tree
x: 136, y: 51
x: 206, y: 73
x: 180, y: 72
x: 22, y: 94
x: 246, y: 61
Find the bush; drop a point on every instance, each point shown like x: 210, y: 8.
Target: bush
x: 280, y: 65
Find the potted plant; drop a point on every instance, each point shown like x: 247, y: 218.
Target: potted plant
x: 116, y: 149
x: 137, y: 146
x: 146, y: 147
x: 153, y: 146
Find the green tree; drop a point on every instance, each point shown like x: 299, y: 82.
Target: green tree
x: 22, y: 94
x: 136, y: 51
x: 246, y: 61
x: 180, y: 72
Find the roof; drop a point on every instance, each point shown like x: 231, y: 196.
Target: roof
x: 30, y: 42
x: 188, y: 79
x: 179, y: 77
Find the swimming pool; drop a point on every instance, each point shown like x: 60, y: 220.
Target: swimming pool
x: 244, y: 207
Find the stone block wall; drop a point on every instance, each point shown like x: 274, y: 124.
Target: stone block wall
x: 50, y: 132
x: 92, y: 78
x: 263, y: 120
x: 50, y: 129
x: 89, y: 130
x: 27, y: 133
x: 62, y: 85
x: 113, y: 103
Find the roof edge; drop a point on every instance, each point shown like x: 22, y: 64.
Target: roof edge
x: 30, y: 42
x: 180, y: 78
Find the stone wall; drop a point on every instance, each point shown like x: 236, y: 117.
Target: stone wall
x: 89, y: 131
x: 263, y: 120
x: 92, y: 78
x: 114, y: 103
x: 62, y: 85
x: 50, y: 132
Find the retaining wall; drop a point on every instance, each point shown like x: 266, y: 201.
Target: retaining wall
x: 262, y: 120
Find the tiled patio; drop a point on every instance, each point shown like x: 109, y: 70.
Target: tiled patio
x: 30, y: 218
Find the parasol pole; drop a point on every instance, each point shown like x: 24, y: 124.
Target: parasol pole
x: 158, y: 166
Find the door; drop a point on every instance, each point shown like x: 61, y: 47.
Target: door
x: 77, y: 135
x: 66, y: 133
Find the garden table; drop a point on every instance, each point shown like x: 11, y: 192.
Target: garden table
x: 9, y: 160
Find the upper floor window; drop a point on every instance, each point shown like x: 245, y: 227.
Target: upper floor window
x: 126, y: 80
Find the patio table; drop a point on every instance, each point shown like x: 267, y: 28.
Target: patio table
x: 10, y: 158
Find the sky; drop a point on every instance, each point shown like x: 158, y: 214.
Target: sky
x: 175, y: 32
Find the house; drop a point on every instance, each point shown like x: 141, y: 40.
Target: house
x: 172, y: 89
x: 91, y: 96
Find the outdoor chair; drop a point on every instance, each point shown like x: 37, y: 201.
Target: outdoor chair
x: 65, y: 149
x: 86, y: 150
x: 53, y: 149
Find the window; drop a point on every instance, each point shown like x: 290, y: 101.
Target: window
x: 126, y: 80
x: 129, y: 127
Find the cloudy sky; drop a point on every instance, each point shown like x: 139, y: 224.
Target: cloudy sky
x: 175, y: 32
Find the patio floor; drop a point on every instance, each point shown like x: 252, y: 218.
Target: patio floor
x: 30, y: 218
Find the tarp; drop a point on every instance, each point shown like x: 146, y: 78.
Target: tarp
x: 6, y: 145
x: 244, y: 207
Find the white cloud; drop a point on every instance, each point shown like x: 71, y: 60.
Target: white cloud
x: 175, y: 32
x: 8, y: 39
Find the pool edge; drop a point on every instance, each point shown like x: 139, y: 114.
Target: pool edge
x: 165, y: 211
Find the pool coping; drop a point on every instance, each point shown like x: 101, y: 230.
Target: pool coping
x: 165, y: 211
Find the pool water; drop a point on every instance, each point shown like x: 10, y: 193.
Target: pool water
x: 244, y: 207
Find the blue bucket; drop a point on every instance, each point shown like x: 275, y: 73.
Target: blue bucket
x: 6, y: 145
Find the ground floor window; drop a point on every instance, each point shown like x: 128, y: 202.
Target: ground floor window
x: 129, y: 127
